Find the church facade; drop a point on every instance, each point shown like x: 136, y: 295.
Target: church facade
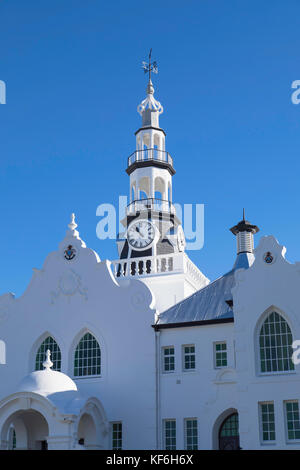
x: 144, y: 352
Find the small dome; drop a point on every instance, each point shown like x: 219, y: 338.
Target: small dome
x: 47, y: 381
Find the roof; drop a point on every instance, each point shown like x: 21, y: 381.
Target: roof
x: 206, y: 305
x: 47, y: 381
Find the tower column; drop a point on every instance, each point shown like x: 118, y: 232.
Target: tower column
x: 152, y: 192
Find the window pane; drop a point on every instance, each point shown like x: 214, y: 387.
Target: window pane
x: 51, y: 344
x: 117, y: 436
x: 275, y: 341
x: 230, y: 426
x: 191, y: 434
x: 189, y: 361
x: 170, y: 434
x: 87, y: 357
x: 221, y: 354
x: 292, y: 418
x: 168, y: 359
x: 267, y: 419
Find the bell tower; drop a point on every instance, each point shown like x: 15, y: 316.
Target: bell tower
x: 153, y: 241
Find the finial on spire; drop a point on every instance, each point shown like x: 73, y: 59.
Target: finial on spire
x: 244, y: 214
x: 72, y: 225
x: 150, y: 103
x: 48, y: 363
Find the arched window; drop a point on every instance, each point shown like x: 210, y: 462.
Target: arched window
x: 87, y: 357
x: 229, y: 433
x: 48, y: 343
x: 275, y: 345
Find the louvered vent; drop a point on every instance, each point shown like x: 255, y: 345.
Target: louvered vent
x: 244, y: 242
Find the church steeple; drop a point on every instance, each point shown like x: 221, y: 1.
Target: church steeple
x: 150, y: 168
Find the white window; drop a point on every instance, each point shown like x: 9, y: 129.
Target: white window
x: 51, y: 344
x: 292, y: 420
x: 275, y: 345
x: 191, y: 434
x: 189, y: 358
x: 267, y: 423
x: 169, y: 434
x: 117, y: 436
x: 87, y: 360
x: 168, y: 355
x: 220, y: 352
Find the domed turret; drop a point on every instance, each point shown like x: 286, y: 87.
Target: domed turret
x: 47, y: 382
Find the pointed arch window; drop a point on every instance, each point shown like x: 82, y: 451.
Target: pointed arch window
x: 48, y: 343
x: 275, y: 345
x: 87, y: 359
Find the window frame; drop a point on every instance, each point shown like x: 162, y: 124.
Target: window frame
x: 184, y: 354
x: 185, y: 421
x: 167, y: 420
x: 164, y: 371
x: 215, y: 354
x: 258, y: 348
x: 263, y: 442
x: 290, y: 441
x: 92, y: 376
x: 116, y: 423
x: 58, y: 359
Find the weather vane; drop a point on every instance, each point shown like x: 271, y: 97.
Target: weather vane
x: 150, y: 66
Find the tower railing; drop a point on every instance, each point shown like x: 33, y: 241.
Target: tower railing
x: 152, y: 154
x: 176, y: 263
x: 152, y: 204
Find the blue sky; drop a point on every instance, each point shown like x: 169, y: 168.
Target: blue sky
x: 73, y: 75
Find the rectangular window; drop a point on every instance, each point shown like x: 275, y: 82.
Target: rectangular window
x: 191, y: 434
x: 116, y: 436
x: 189, y: 358
x: 170, y: 434
x: 220, y: 354
x: 267, y: 422
x: 168, y: 359
x: 292, y: 420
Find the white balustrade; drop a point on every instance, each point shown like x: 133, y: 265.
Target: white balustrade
x: 156, y: 266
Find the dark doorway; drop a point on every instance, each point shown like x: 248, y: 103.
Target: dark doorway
x: 229, y: 433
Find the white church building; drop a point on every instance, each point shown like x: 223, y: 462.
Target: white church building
x: 144, y: 352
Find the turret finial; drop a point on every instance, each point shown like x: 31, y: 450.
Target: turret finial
x: 150, y: 103
x: 48, y: 363
x: 72, y: 225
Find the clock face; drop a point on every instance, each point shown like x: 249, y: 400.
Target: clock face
x: 140, y: 234
x: 180, y: 239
